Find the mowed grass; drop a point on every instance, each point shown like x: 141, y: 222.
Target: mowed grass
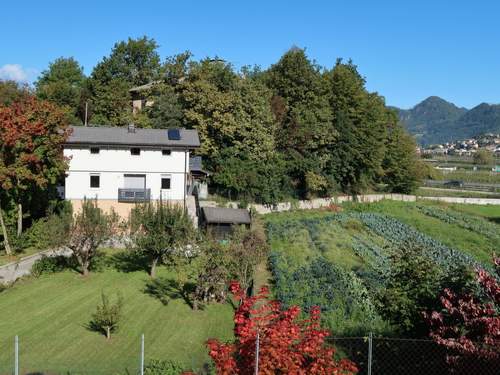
x: 51, y: 316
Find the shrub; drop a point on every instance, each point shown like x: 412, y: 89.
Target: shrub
x: 46, y: 265
x: 162, y: 367
x: 107, y: 316
x: 50, y: 232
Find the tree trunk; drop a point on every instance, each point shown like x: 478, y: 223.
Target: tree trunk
x: 5, y: 236
x: 152, y: 271
x: 108, y: 333
x: 19, y: 219
x: 85, y: 269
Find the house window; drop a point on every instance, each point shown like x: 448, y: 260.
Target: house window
x: 166, y: 152
x: 165, y: 183
x: 135, y: 151
x: 95, y: 181
x: 94, y: 150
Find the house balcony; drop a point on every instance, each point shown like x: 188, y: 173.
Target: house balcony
x: 134, y: 195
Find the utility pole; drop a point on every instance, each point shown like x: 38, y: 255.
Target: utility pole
x: 86, y: 111
x: 142, y: 354
x: 257, y: 348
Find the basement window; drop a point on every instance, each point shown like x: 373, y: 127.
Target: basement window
x: 166, y: 152
x: 94, y: 150
x: 135, y: 151
x: 95, y: 181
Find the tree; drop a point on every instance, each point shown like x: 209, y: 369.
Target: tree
x: 484, y: 157
x: 166, y: 111
x: 107, y: 315
x: 32, y: 134
x: 286, y: 344
x: 305, y: 134
x: 11, y: 91
x: 161, y: 232
x: 412, y: 287
x: 402, y: 169
x: 214, y: 273
x: 131, y: 63
x: 469, y: 323
x: 248, y: 248
x: 62, y: 84
x: 89, y: 229
x: 360, y: 119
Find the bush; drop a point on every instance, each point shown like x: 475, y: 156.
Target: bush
x: 48, y: 233
x: 107, y: 316
x: 46, y: 265
x: 162, y: 367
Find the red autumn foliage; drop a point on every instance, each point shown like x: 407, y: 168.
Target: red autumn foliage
x: 33, y: 133
x: 469, y: 326
x: 287, y: 344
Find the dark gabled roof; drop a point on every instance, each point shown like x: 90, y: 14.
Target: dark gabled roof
x: 218, y: 215
x: 106, y: 135
x: 196, y: 165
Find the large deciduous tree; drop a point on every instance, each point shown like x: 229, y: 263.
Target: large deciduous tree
x: 360, y: 118
x: 131, y: 63
x: 305, y: 134
x: 286, y: 343
x: 63, y: 84
x: 32, y: 134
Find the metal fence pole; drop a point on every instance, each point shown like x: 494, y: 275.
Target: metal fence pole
x: 370, y: 354
x: 257, y: 344
x: 16, y: 355
x: 142, y: 354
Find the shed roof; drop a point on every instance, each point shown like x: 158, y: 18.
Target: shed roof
x: 219, y: 215
x: 107, y: 135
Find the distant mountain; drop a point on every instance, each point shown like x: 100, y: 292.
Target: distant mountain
x: 435, y: 120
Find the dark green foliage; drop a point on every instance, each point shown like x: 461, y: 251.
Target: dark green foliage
x: 49, y: 232
x: 107, y: 315
x: 131, y: 63
x: 62, y: 83
x: 402, y: 168
x: 163, y: 367
x: 49, y: 264
x: 361, y: 119
x: 166, y: 111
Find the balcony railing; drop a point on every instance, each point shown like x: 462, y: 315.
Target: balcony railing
x: 134, y: 195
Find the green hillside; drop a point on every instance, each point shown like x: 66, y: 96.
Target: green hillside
x: 435, y: 120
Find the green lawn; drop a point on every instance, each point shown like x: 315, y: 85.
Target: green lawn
x: 51, y: 314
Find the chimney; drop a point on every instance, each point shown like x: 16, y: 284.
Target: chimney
x: 131, y: 128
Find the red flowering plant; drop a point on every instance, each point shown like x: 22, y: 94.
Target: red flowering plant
x: 469, y: 325
x: 287, y: 344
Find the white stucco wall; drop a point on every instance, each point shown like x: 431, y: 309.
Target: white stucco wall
x: 113, y: 163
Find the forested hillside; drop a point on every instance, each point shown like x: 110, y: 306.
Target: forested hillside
x: 435, y: 120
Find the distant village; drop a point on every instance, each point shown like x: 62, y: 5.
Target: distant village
x: 468, y: 147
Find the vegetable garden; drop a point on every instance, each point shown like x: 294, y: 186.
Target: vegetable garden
x: 342, y: 261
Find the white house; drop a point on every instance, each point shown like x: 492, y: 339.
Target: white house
x: 120, y: 165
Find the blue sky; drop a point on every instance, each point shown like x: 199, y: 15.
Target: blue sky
x: 406, y: 50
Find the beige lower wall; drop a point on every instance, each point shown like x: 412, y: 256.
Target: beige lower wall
x: 121, y: 208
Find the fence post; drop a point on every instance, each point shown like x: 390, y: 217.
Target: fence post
x: 142, y: 354
x: 370, y: 348
x: 257, y: 344
x: 16, y: 355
